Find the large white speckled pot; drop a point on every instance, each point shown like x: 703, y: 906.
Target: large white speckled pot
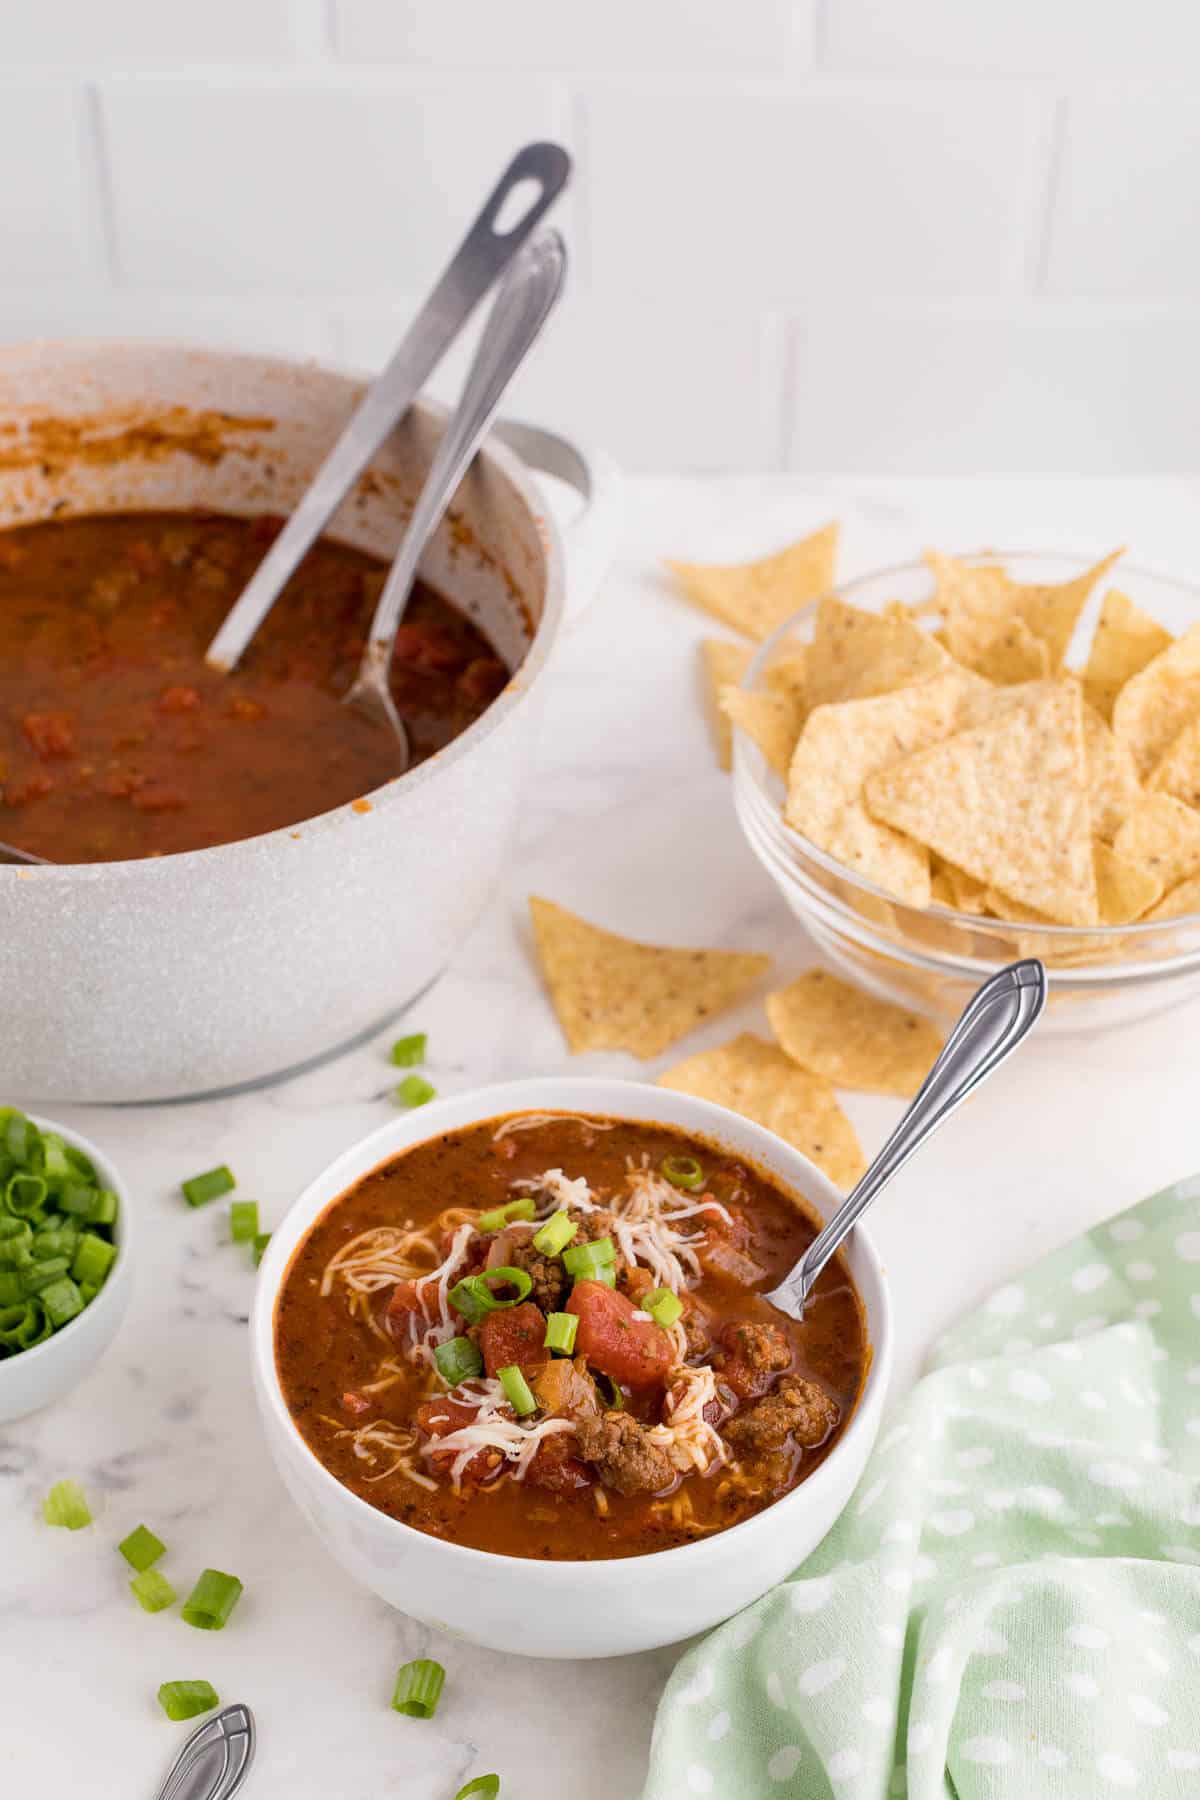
x: 195, y: 973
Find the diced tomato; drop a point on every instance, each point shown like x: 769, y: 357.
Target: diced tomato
x: 634, y: 1351
x: 438, y: 1418
x: 178, y: 700
x: 355, y: 1403
x: 49, y: 734
x: 400, y: 1307
x: 555, y: 1468
x: 158, y: 796
x: 426, y: 647
x: 514, y: 1334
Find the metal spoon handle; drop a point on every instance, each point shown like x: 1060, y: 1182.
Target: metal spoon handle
x: 521, y: 308
x: 215, y: 1759
x: 482, y: 256
x: 994, y: 1022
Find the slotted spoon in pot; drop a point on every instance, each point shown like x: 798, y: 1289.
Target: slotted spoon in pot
x: 995, y: 1020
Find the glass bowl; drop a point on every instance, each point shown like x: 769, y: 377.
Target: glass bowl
x: 931, y: 959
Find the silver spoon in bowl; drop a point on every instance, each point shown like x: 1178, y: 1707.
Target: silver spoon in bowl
x: 994, y: 1021
x: 526, y: 299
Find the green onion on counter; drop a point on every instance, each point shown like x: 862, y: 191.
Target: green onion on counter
x: 198, y: 1190
x: 409, y: 1052
x: 419, y: 1688
x: 66, y: 1505
x: 211, y: 1601
x: 187, y: 1699
x: 141, y: 1548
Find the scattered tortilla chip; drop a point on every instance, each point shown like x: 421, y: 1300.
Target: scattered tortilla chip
x: 839, y: 748
x: 786, y: 674
x: 1183, y: 899
x: 1178, y: 772
x: 756, y: 1079
x: 1007, y: 802
x: 1163, y: 835
x: 772, y: 720
x: 855, y: 654
x: 757, y: 597
x: 1126, y: 639
x: 1113, y: 786
x: 724, y: 666
x: 1125, y: 889
x: 1013, y: 654
x: 611, y: 993
x: 852, y: 1039
x: 1155, y: 704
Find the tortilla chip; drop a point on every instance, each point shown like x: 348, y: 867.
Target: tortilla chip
x: 980, y: 601
x: 1007, y: 802
x: 1113, y: 787
x: 852, y: 1039
x: 1052, y: 611
x: 1163, y: 835
x: 1126, y: 640
x: 756, y: 1079
x: 611, y: 993
x: 962, y: 892
x: 856, y: 654
x: 1013, y: 654
x: 1125, y: 889
x: 772, y: 720
x: 786, y: 674
x: 724, y: 666
x: 757, y: 597
x: 1180, y: 900
x: 839, y: 748
x: 1155, y: 704
x: 1178, y: 771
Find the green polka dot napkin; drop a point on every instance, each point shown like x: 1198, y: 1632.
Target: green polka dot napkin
x: 1010, y: 1605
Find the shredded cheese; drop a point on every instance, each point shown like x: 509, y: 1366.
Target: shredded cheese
x: 531, y: 1122
x: 493, y: 1428
x: 367, y: 1441
x: 558, y: 1191
x: 685, y: 1436
x: 380, y: 1257
x: 435, y: 1323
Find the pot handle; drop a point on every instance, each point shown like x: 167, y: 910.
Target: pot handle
x: 594, y: 535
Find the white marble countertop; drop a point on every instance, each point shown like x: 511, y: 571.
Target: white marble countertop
x: 629, y: 821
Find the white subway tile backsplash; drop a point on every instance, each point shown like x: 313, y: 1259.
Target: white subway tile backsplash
x: 792, y: 195
x: 656, y: 389
x: 670, y: 36
x: 1054, y: 390
x: 1020, y: 37
x: 313, y: 186
x: 135, y: 33
x: 44, y: 195
x: 1128, y: 197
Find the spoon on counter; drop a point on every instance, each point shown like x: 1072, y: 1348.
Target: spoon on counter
x: 994, y: 1022
x: 215, y: 1759
x: 485, y: 253
x: 10, y: 854
x: 529, y: 293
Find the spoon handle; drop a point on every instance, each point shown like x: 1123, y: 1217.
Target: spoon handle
x: 993, y: 1023
x: 480, y: 259
x: 215, y: 1759
x: 527, y: 297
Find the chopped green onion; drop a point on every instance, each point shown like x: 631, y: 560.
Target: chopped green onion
x: 66, y: 1504
x: 87, y: 1293
x: 517, y: 1390
x: 12, y: 1288
x: 78, y: 1199
x: 152, y: 1591
x: 260, y: 1243
x: 414, y: 1090
x: 62, y: 1301
x: 584, y: 1261
x: 560, y: 1332
x: 11, y: 1228
x: 683, y: 1172
x: 663, y: 1306
x: 20, y: 1137
x: 243, y: 1221
x: 606, y: 1384
x: 555, y: 1234
x: 57, y: 1240
x: 41, y: 1275
x: 418, y: 1688
x: 486, y: 1786
x: 408, y: 1052
x: 211, y: 1601
x: 187, y: 1699
x: 94, y: 1257
x: 104, y: 1207
x: 198, y: 1190
x: 458, y: 1360
x: 500, y: 1216
x: 473, y: 1296
x: 141, y: 1548
x: 22, y: 1324
x: 56, y: 1165
x: 24, y: 1195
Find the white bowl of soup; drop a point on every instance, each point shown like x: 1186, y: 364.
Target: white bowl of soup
x: 235, y: 879
x: 515, y: 1365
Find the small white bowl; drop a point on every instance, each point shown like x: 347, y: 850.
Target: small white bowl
x: 570, y: 1609
x: 35, y: 1377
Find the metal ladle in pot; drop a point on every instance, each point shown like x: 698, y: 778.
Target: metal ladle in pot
x: 993, y: 1023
